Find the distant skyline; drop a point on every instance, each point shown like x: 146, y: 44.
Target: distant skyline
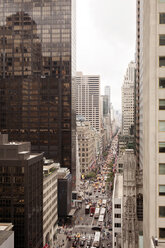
x: 106, y: 35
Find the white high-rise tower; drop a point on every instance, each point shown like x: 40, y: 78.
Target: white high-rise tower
x: 88, y: 98
x: 128, y: 99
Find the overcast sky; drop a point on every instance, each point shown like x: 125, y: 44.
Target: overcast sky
x: 106, y: 34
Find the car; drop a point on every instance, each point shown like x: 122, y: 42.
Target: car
x: 88, y: 242
x: 96, y: 228
x: 82, y: 243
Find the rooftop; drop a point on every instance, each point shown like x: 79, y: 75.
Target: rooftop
x: 5, y: 231
x: 6, y: 226
x: 63, y: 173
x: 4, y: 235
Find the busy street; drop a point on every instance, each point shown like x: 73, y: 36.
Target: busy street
x: 92, y: 225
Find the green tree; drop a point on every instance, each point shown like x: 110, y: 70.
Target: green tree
x: 91, y: 174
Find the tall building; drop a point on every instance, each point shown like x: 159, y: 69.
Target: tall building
x: 21, y: 190
x: 37, y: 69
x: 138, y: 119
x: 86, y: 144
x: 137, y: 79
x: 128, y: 99
x: 107, y: 92
x: 64, y: 195
x: 50, y: 213
x: 88, y: 98
x: 152, y: 112
x: 117, y: 209
x: 130, y: 234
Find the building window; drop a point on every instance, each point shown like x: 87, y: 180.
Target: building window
x: 162, y: 39
x: 162, y: 126
x: 161, y: 61
x: 162, y: 147
x: 117, y: 224
x: 161, y: 169
x: 161, y: 189
x: 117, y: 206
x: 161, y: 82
x: 117, y: 215
x: 161, y: 104
x: 162, y: 18
x: 162, y: 233
x: 162, y: 211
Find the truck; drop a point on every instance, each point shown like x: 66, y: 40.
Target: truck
x: 97, y: 211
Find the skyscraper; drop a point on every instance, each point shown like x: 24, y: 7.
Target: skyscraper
x: 88, y: 98
x: 37, y: 66
x: 152, y: 117
x: 128, y: 99
x: 21, y: 190
x: 107, y: 92
x: 137, y: 80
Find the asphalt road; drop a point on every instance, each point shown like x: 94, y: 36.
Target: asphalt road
x: 83, y: 222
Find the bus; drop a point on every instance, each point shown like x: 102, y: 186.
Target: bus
x: 102, y: 212
x: 97, y: 211
x: 101, y: 220
x: 87, y: 209
x: 104, y: 203
x: 96, y: 241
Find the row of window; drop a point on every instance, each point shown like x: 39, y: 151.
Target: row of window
x: 162, y: 126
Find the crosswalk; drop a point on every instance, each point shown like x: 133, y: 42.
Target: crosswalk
x: 83, y: 226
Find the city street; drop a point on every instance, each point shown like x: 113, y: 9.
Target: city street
x: 86, y: 224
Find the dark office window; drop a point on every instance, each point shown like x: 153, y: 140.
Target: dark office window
x: 161, y: 61
x: 162, y: 211
x: 162, y: 147
x: 117, y: 206
x: 161, y: 82
x: 161, y: 190
x: 161, y: 104
x: 117, y: 215
x: 162, y: 18
x: 162, y: 39
x: 162, y: 233
x: 117, y: 224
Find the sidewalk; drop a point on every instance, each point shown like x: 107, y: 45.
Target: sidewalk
x: 61, y: 240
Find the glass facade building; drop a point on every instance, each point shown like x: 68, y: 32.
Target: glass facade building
x: 37, y: 67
